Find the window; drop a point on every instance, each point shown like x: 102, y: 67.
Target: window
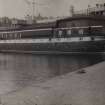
x: 10, y: 35
x: 60, y: 33
x: 2, y: 35
x: 80, y: 31
x: 5, y: 35
x: 20, y: 35
x: 68, y: 32
x: 15, y: 36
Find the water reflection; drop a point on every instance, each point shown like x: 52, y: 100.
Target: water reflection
x: 20, y: 70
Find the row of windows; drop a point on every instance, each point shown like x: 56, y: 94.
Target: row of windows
x: 10, y: 35
x: 69, y: 32
x: 56, y: 33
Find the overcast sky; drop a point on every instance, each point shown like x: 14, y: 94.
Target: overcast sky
x: 19, y: 8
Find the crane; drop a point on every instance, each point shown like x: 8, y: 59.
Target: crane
x: 33, y: 3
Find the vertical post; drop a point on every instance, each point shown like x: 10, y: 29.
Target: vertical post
x: 88, y: 10
x: 71, y: 10
x: 33, y: 5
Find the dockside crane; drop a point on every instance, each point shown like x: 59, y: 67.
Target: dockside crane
x: 33, y: 3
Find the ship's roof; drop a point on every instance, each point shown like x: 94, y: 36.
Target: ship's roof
x: 98, y: 17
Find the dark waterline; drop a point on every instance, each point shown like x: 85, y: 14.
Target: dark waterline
x: 22, y: 70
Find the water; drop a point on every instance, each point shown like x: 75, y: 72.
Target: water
x: 21, y: 70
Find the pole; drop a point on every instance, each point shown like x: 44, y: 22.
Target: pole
x: 33, y: 11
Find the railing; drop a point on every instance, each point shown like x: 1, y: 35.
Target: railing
x: 90, y: 10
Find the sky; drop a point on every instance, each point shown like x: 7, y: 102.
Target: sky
x: 20, y: 8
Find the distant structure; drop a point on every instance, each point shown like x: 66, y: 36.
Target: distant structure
x: 33, y: 7
x: 71, y: 10
x: 17, y: 22
x: 99, y: 9
x: 33, y: 3
x: 28, y: 19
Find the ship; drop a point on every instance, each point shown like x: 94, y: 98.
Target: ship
x: 80, y: 33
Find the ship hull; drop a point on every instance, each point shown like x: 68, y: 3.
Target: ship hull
x: 58, y: 46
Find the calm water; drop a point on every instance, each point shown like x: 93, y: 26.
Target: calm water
x: 22, y: 70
